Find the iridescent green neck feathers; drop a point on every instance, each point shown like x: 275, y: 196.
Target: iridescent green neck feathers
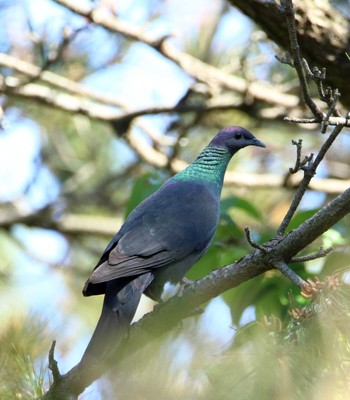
x: 210, y: 167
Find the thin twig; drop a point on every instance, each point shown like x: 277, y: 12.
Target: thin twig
x: 301, y: 120
x: 248, y: 234
x: 289, y: 273
x: 297, y: 60
x: 332, y: 121
x: 301, y: 66
x: 330, y: 111
x: 309, y: 172
x: 298, y: 163
x: 54, y: 56
x: 53, y: 365
x: 285, y: 59
x: 319, y: 254
x: 319, y: 76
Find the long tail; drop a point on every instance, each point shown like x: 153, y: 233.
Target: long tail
x: 119, y: 307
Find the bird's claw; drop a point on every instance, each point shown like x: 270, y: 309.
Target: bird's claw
x: 182, y: 286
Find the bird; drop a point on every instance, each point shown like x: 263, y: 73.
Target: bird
x: 160, y: 240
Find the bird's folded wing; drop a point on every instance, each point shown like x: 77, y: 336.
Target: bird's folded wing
x: 163, y: 230
x: 120, y: 265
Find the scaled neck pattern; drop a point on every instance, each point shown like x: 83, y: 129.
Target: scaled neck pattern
x: 210, y: 167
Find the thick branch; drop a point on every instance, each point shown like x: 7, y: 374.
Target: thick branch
x: 311, y: 229
x: 323, y: 33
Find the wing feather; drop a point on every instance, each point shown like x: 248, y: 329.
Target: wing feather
x: 121, y: 266
x: 177, y: 220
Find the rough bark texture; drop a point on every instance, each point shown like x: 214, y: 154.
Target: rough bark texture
x: 323, y: 33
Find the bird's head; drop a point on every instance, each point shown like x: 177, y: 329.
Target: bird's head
x: 234, y: 138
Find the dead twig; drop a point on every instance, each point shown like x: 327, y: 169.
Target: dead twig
x: 53, y: 365
x: 331, y: 110
x: 319, y: 254
x: 296, y: 59
x: 307, y: 165
x: 282, y: 266
x: 298, y: 163
x: 332, y: 121
x: 248, y: 234
x: 309, y: 172
x: 319, y: 77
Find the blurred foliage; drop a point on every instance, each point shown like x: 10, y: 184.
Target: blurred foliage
x: 23, y: 339
x: 272, y: 352
x: 305, y: 354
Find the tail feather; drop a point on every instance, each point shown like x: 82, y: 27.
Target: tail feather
x: 119, y: 307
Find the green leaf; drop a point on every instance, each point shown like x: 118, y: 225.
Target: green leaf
x: 228, y: 230
x: 143, y: 187
x: 243, y: 204
x: 301, y: 217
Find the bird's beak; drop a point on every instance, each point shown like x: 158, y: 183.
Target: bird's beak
x: 256, y: 142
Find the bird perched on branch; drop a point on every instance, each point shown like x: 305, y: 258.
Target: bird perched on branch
x: 160, y: 240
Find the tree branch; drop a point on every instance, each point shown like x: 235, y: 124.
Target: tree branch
x: 101, y: 112
x: 309, y: 172
x: 68, y: 223
x: 319, y: 254
x: 307, y: 165
x: 32, y: 71
x: 323, y: 32
x: 199, y: 70
x: 296, y: 58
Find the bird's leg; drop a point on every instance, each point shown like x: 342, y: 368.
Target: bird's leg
x: 186, y: 282
x: 182, y: 285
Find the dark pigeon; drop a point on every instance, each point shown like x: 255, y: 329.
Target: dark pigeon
x: 160, y: 240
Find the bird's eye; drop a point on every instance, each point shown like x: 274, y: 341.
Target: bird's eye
x: 238, y: 135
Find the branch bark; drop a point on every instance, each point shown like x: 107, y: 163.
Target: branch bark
x: 323, y: 33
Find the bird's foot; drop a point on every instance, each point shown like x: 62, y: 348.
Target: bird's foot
x: 182, y: 286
